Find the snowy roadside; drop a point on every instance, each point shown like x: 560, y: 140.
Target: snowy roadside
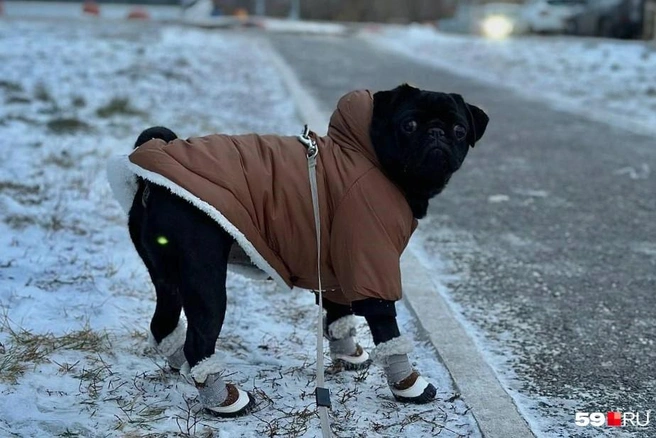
x: 14, y: 9
x: 609, y: 81
x: 76, y: 300
x: 605, y: 80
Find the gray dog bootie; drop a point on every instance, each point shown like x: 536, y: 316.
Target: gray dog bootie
x: 344, y: 351
x: 172, y: 347
x: 217, y: 397
x: 406, y: 384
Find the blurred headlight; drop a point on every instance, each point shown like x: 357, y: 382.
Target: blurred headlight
x: 497, y: 26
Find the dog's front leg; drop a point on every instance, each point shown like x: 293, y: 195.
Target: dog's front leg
x: 392, y: 350
x: 340, y: 329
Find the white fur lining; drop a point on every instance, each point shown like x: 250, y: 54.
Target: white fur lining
x: 207, y: 366
x: 342, y: 328
x: 121, y: 174
x: 172, y: 342
x: 122, y: 181
x: 400, y: 345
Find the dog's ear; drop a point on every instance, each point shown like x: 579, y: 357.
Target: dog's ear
x: 476, y: 118
x: 385, y: 101
x: 478, y: 121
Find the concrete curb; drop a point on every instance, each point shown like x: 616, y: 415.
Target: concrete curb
x: 492, y: 407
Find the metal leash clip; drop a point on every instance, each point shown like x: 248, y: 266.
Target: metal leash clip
x: 309, y: 142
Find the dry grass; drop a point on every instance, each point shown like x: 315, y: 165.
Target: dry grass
x: 15, y: 187
x: 25, y: 194
x: 118, y: 106
x: 61, y: 159
x: 69, y: 434
x: 25, y: 348
x: 433, y: 418
x: 16, y: 99
x: 19, y: 221
x: 78, y: 102
x: 67, y: 125
x: 11, y: 86
x: 41, y: 93
x: 188, y: 420
x: 101, y: 388
x: 289, y: 422
x: 19, y: 118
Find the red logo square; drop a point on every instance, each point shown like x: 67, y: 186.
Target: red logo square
x: 614, y: 419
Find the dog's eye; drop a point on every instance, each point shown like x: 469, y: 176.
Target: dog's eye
x: 409, y: 126
x: 460, y: 132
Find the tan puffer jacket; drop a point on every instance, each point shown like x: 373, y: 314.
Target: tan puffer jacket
x: 257, y: 188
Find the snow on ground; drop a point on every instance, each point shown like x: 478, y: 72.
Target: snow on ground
x: 75, y: 299
x: 299, y: 26
x: 611, y: 81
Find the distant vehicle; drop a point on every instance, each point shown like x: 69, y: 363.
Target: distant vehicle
x: 460, y: 22
x: 550, y: 16
x: 500, y: 20
x: 608, y: 18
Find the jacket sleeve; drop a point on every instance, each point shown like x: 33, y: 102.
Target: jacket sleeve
x: 370, y: 230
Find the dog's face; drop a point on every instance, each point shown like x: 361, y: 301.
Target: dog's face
x: 422, y: 137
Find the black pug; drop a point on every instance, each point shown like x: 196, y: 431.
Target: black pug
x: 385, y: 156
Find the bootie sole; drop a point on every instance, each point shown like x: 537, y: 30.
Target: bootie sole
x: 243, y: 411
x: 426, y: 397
x: 350, y: 366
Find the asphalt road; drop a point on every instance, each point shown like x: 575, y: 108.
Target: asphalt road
x: 551, y: 227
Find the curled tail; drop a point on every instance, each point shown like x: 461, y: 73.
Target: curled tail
x: 155, y: 132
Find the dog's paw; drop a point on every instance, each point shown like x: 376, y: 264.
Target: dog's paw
x: 414, y: 389
x: 176, y: 360
x: 238, y: 403
x: 358, y: 361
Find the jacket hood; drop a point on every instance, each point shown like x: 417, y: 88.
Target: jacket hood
x: 350, y: 123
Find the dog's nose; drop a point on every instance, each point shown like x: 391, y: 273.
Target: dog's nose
x: 436, y: 132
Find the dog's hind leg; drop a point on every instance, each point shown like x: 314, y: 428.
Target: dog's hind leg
x: 191, y: 249
x: 166, y: 330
